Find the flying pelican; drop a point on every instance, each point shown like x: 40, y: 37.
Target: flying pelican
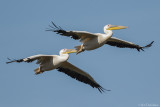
x: 59, y: 62
x: 91, y: 41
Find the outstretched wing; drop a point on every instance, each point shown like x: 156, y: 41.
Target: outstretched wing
x: 41, y: 59
x: 79, y: 75
x: 77, y: 35
x: 125, y: 44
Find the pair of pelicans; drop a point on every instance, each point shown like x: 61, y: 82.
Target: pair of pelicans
x: 90, y: 41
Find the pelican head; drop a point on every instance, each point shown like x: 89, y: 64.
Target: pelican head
x: 113, y: 27
x: 67, y: 51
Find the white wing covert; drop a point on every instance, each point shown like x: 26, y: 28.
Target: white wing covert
x: 41, y: 59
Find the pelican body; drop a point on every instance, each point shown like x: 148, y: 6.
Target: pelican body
x: 59, y: 62
x: 47, y: 62
x: 91, y: 41
x: 98, y: 40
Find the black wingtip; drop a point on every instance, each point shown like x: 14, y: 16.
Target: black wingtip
x: 54, y: 27
x: 147, y: 46
x: 10, y: 61
x: 20, y: 60
x: 102, y: 90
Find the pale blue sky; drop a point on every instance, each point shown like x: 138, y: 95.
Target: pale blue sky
x: 132, y: 76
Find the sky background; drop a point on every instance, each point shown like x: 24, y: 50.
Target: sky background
x: 132, y: 76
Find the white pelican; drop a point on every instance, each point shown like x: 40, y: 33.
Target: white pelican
x: 92, y: 41
x: 59, y: 62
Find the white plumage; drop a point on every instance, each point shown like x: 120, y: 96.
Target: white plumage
x: 59, y: 62
x: 91, y: 41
